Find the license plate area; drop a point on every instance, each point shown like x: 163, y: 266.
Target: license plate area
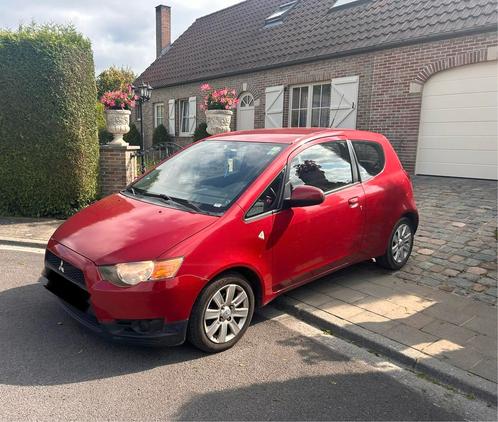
x: 67, y: 291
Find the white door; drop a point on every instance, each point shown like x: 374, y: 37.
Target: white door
x: 344, y: 102
x: 245, y: 112
x: 459, y: 123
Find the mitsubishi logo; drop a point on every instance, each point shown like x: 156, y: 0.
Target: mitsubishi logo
x: 61, y: 266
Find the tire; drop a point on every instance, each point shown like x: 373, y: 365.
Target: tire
x: 392, y: 260
x: 213, y: 326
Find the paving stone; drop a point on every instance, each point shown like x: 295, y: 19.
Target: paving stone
x: 479, y: 288
x: 477, y: 270
x: 450, y: 312
x: 341, y: 309
x: 410, y: 336
x: 445, y: 330
x: 425, y: 251
x: 308, y: 296
x: 458, y: 224
x: 456, y: 258
x: 486, y: 368
x: 450, y: 272
x: 486, y: 345
x: 345, y: 294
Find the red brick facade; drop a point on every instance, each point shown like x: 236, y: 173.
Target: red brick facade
x: 390, y: 86
x: 118, y: 168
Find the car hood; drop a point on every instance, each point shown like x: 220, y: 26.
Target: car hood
x: 122, y: 229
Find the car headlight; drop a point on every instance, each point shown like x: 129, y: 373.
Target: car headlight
x: 133, y: 273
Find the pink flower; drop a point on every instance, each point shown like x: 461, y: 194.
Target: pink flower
x: 205, y: 87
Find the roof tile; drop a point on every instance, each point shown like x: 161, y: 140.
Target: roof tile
x: 236, y: 40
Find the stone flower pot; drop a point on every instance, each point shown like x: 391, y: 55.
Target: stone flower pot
x: 218, y: 121
x: 118, y: 123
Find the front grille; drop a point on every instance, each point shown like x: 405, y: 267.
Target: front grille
x: 65, y: 269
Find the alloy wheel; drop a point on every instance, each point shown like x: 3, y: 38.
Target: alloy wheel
x: 402, y: 243
x: 226, y: 313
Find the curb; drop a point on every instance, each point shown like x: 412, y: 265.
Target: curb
x: 28, y: 243
x: 417, y: 361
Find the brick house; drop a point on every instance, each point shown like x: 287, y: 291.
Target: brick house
x: 423, y: 72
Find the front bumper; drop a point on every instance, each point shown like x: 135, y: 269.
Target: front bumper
x: 139, y: 332
x: 147, y: 314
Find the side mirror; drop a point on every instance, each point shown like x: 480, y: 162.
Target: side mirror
x: 305, y: 196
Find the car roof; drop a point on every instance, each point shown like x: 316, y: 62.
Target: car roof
x: 295, y: 135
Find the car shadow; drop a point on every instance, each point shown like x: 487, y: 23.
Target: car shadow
x: 338, y: 397
x: 42, y: 345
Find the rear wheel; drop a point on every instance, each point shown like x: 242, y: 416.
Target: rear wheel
x: 400, y: 246
x: 222, y: 314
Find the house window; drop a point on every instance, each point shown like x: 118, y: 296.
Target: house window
x: 184, y: 118
x: 158, y: 114
x: 310, y: 105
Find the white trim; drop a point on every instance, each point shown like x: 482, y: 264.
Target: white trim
x: 310, y: 101
x: 157, y: 115
x: 192, y: 117
x: 182, y: 117
x: 171, y: 117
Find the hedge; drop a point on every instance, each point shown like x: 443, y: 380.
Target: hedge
x: 48, y: 131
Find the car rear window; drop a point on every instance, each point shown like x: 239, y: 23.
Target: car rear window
x: 370, y: 157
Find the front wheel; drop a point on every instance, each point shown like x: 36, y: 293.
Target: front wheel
x: 400, y: 246
x: 222, y: 314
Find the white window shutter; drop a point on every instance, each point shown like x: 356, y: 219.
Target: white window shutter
x: 192, y: 114
x: 171, y: 117
x: 344, y: 102
x: 274, y: 107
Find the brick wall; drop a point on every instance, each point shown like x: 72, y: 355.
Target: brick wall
x: 385, y: 103
x: 118, y: 168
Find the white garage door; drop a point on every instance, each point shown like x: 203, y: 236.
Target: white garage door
x: 459, y: 123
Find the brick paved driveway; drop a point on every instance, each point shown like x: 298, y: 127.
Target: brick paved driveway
x: 456, y: 246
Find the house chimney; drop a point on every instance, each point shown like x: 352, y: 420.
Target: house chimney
x: 163, y: 28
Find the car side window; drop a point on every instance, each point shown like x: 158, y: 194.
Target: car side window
x: 370, y: 157
x: 326, y: 166
x: 269, y: 199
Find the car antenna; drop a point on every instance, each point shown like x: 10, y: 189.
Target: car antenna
x: 337, y: 111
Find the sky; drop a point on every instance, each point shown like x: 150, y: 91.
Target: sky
x: 122, y: 32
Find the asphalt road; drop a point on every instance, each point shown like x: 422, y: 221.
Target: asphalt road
x: 51, y: 368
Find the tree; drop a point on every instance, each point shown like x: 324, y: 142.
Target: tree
x: 113, y: 79
x: 200, y: 132
x: 160, y: 135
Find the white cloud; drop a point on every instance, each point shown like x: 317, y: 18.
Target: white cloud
x: 122, y: 32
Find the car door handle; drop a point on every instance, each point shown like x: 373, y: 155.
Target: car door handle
x: 354, y: 202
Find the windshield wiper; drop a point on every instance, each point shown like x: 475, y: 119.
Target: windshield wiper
x: 182, y: 202
x: 187, y: 204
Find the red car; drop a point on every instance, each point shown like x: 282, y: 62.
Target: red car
x: 228, y: 224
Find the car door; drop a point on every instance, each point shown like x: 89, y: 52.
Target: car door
x: 311, y: 241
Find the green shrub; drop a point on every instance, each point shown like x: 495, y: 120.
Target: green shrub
x: 133, y: 136
x: 114, y: 79
x: 48, y: 131
x: 200, y: 132
x: 160, y: 135
x: 104, y: 136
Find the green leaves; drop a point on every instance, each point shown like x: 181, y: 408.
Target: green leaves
x: 48, y: 130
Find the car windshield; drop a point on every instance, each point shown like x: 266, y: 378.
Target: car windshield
x: 209, y: 176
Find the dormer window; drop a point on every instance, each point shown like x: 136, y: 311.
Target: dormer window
x: 340, y: 4
x: 279, y: 14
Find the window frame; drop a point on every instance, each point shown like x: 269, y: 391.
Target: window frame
x: 357, y: 161
x: 309, y: 108
x: 182, y: 117
x: 280, y: 198
x: 354, y: 166
x: 158, y: 116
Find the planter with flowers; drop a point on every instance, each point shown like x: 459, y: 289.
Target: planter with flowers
x: 118, y: 106
x: 218, y: 105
